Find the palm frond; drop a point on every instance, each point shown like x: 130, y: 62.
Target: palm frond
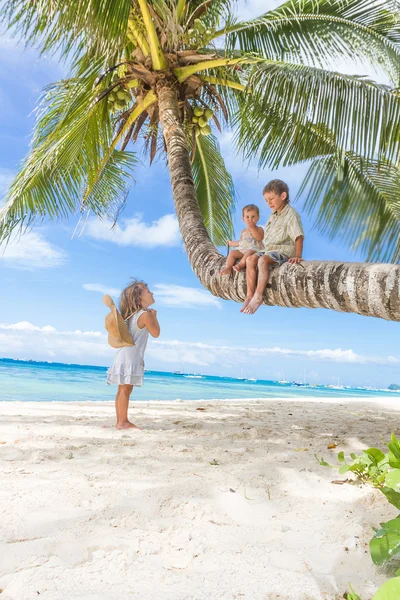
x: 363, y: 116
x: 214, y: 188
x: 69, y: 27
x: 319, y: 32
x: 358, y: 203
x: 72, y: 137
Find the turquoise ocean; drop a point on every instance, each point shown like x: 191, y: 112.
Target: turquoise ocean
x: 47, y: 382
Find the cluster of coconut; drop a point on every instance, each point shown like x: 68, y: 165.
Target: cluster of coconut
x: 120, y: 96
x: 201, y: 119
x: 199, y: 33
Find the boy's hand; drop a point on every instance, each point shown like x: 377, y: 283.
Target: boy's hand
x: 229, y: 242
x: 295, y: 259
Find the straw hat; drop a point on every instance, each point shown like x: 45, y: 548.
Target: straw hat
x: 118, y: 334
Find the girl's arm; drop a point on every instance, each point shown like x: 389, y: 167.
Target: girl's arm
x: 149, y: 320
x: 298, y: 249
x: 257, y: 232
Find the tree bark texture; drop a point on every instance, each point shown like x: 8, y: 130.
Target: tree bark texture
x: 363, y: 288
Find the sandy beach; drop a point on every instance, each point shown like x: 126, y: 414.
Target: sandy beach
x: 222, y: 503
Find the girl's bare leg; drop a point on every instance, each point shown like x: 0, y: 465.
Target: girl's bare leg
x: 121, y: 407
x: 230, y: 261
x: 242, y: 262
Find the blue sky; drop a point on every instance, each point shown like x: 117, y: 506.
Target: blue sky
x: 53, y: 281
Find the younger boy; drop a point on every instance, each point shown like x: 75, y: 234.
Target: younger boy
x: 249, y: 243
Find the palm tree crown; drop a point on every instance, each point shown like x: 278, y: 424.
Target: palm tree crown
x: 269, y: 78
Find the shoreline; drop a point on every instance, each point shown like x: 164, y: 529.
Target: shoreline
x: 226, y: 503
x: 393, y: 402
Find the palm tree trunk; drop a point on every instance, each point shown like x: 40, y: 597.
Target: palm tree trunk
x: 362, y: 288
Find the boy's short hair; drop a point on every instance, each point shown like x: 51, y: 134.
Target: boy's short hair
x: 278, y: 187
x: 250, y: 207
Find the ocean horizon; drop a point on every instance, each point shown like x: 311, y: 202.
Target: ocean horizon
x: 40, y: 381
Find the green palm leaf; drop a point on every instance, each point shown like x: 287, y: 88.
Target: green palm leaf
x: 364, y: 197
x: 214, y: 189
x: 72, y: 135
x: 69, y: 27
x: 319, y: 32
x: 363, y: 116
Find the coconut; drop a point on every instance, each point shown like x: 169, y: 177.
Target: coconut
x: 121, y: 94
x: 199, y: 26
x: 198, y: 111
x: 195, y: 120
x: 208, y: 113
x: 203, y: 122
x: 198, y: 131
x: 205, y: 130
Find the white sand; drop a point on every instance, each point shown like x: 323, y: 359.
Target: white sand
x: 89, y: 513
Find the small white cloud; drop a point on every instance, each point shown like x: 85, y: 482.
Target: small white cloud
x: 135, y: 232
x: 31, y: 251
x: 102, y: 289
x: 184, y: 297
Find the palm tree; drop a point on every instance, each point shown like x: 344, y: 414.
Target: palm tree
x: 164, y: 71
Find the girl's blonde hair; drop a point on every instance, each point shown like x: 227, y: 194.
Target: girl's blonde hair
x: 131, y: 298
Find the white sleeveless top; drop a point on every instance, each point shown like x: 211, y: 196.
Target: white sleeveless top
x: 128, y: 366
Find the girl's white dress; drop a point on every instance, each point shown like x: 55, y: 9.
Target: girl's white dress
x: 128, y: 366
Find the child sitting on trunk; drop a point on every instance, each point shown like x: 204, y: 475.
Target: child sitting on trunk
x: 250, y: 241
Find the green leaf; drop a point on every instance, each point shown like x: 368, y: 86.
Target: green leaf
x: 392, y: 496
x: 372, y: 224
x: 214, y: 189
x: 70, y: 27
x: 390, y: 590
x: 72, y: 135
x: 341, y: 457
x: 321, y: 32
x: 375, y: 454
x: 386, y: 542
x: 392, y: 479
x: 344, y: 469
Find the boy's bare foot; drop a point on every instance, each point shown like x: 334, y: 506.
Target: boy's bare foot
x: 127, y: 425
x: 239, y: 267
x: 226, y: 271
x: 253, y: 305
x: 246, y: 303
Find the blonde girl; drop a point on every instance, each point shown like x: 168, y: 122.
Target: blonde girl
x: 128, y: 367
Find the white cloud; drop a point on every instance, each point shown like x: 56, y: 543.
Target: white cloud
x: 31, y: 251
x: 102, y: 289
x: 135, y: 232
x: 26, y: 340
x: 208, y: 354
x: 183, y: 297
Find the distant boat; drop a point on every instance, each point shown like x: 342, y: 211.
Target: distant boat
x: 252, y: 379
x: 177, y: 373
x: 283, y: 380
x: 194, y: 376
x: 241, y: 378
